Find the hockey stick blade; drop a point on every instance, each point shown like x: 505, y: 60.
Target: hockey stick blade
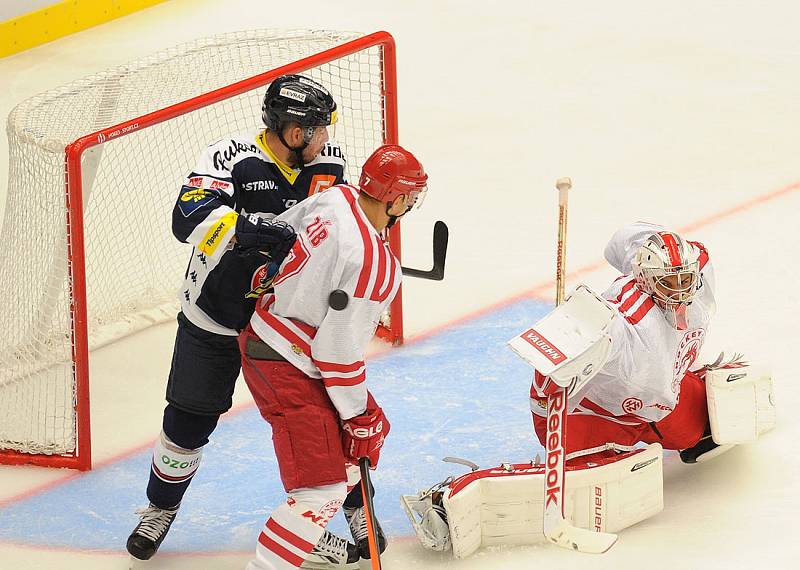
x: 580, y: 539
x: 440, y: 237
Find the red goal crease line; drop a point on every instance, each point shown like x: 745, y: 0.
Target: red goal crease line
x: 539, y: 291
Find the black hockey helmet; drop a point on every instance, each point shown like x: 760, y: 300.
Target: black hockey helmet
x: 300, y: 99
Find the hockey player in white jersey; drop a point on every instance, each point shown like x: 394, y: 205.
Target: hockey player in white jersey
x: 651, y: 389
x: 303, y: 356
x: 630, y: 369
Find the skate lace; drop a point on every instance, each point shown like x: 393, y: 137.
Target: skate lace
x: 357, y: 520
x: 155, y: 521
x: 329, y: 543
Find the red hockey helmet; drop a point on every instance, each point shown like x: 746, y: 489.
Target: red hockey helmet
x: 392, y: 171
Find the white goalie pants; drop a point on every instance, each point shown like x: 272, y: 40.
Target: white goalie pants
x: 296, y: 526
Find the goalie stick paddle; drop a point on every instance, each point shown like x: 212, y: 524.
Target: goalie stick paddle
x: 440, y: 237
x: 369, y: 511
x: 556, y: 528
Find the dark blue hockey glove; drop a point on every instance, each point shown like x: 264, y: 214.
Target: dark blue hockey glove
x: 274, y: 239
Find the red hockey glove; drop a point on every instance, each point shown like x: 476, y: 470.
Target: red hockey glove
x: 363, y: 436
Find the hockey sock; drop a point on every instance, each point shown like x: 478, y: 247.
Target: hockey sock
x: 296, y: 526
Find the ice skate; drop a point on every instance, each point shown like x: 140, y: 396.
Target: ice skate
x: 148, y: 535
x: 332, y: 552
x: 357, y: 520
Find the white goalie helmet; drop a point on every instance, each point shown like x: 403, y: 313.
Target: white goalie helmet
x: 667, y: 267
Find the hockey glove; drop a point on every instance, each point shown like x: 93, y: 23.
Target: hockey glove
x: 274, y: 239
x: 363, y: 436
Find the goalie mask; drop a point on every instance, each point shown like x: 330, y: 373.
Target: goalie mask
x: 667, y: 268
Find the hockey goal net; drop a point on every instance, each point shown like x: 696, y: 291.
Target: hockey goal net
x: 94, y: 170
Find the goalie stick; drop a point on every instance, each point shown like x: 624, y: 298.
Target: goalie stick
x: 556, y: 528
x: 440, y: 237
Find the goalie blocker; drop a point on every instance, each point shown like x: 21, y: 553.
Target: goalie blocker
x: 504, y: 505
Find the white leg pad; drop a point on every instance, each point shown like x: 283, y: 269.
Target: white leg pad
x: 740, y: 403
x: 505, y: 505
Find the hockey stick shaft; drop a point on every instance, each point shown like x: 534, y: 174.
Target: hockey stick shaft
x: 440, y: 239
x: 556, y: 528
x: 563, y: 185
x: 369, y: 511
x: 557, y: 402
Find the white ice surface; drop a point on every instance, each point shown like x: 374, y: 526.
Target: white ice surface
x: 671, y: 112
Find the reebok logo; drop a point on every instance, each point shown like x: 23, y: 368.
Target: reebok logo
x: 555, y: 449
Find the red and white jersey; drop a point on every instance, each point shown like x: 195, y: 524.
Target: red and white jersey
x: 649, y: 357
x: 336, y: 248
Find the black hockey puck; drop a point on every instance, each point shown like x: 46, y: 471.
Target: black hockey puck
x: 338, y: 300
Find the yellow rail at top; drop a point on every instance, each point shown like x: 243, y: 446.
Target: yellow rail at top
x: 61, y: 19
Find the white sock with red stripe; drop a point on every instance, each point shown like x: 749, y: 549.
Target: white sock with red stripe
x: 296, y: 526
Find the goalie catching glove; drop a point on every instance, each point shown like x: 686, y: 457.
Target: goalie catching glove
x: 363, y: 435
x: 274, y: 239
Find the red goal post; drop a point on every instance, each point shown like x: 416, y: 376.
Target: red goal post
x: 104, y: 262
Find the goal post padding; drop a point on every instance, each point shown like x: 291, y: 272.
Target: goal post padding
x: 94, y: 168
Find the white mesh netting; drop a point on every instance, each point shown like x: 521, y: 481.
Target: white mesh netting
x: 134, y: 266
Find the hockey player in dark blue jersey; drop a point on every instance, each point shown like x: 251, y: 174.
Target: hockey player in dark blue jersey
x: 224, y: 210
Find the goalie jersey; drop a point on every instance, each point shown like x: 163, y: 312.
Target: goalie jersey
x: 640, y: 382
x: 237, y: 175
x: 336, y: 248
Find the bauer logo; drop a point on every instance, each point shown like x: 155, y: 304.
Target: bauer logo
x: 544, y: 346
